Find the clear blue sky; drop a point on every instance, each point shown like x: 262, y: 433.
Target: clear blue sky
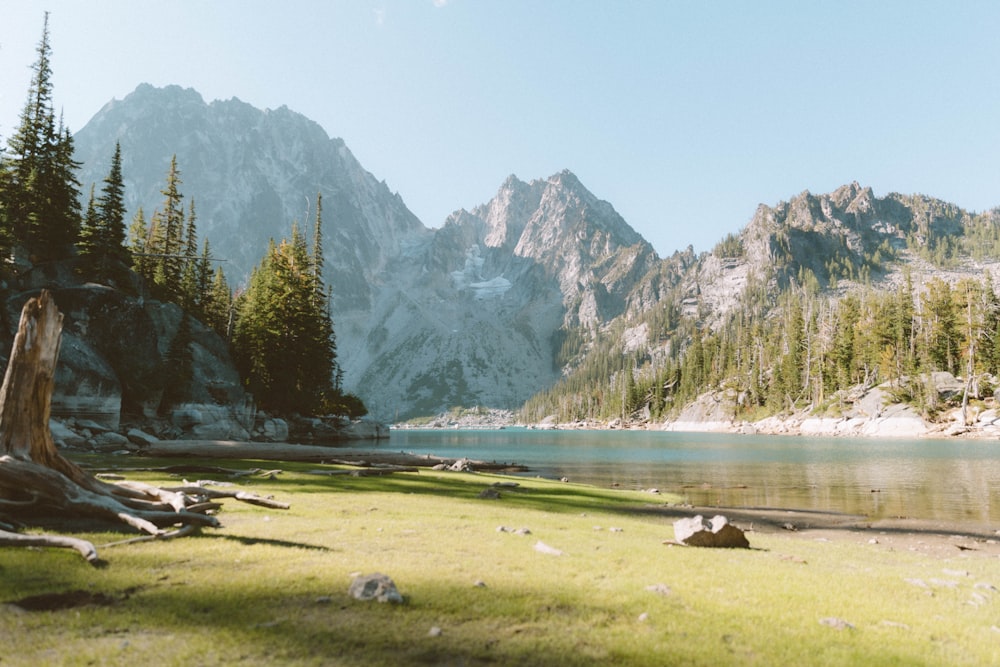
x: 684, y: 115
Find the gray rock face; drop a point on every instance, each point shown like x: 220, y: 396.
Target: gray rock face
x: 716, y: 532
x: 111, y: 361
x: 468, y: 314
x: 375, y: 586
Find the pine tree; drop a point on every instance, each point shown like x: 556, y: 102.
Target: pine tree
x: 138, y: 241
x: 203, y: 278
x: 190, y: 297
x: 219, y: 305
x: 167, y: 237
x: 102, y: 236
x: 284, y: 336
x: 40, y: 191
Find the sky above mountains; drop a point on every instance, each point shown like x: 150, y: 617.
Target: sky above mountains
x: 684, y: 115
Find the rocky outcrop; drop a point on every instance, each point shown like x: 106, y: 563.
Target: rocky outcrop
x: 113, y: 355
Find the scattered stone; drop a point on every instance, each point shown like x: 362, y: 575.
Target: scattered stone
x: 895, y: 624
x: 461, y: 465
x: 440, y: 466
x: 140, y: 438
x: 522, y: 531
x: 794, y: 559
x: 504, y: 529
x: 324, y: 599
x: 836, y: 623
x: 63, y: 436
x: 435, y: 631
x: 91, y: 426
x: 955, y: 573
x: 614, y: 529
x: 564, y: 479
x: 978, y: 600
x: 944, y: 583
x: 643, y: 617
x: 917, y: 582
x: 479, y: 583
x: 542, y: 547
x: 375, y: 586
x: 789, y: 526
x: 507, y: 485
x: 873, y: 540
x: 110, y: 441
x: 985, y: 586
x: 659, y: 589
x: 717, y: 532
x: 489, y: 494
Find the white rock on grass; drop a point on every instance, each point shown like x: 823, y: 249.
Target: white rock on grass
x: 375, y: 586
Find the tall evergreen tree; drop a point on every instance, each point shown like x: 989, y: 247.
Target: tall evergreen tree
x: 40, y: 191
x: 219, y: 305
x: 102, y: 237
x: 189, y: 287
x: 165, y: 247
x: 138, y: 243
x: 283, y: 338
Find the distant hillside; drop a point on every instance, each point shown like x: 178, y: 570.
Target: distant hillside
x: 813, y: 303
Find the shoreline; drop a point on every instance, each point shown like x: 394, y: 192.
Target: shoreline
x: 945, y: 539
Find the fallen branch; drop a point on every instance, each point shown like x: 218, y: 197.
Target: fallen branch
x: 85, y: 548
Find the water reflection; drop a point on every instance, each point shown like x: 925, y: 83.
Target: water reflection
x: 929, y: 479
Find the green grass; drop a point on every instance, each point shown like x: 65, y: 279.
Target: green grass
x: 271, y: 587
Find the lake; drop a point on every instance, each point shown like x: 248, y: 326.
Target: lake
x: 881, y: 478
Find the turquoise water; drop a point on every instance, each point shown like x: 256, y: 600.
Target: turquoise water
x: 917, y: 478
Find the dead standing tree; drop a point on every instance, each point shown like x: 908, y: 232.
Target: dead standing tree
x: 38, y: 484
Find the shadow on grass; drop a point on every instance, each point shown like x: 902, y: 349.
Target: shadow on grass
x: 250, y: 541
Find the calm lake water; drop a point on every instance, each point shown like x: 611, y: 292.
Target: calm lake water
x: 928, y: 479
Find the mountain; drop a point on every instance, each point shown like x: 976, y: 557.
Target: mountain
x: 251, y: 173
x: 546, y: 293
x: 471, y: 313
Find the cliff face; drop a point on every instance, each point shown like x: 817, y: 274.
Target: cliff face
x: 470, y: 316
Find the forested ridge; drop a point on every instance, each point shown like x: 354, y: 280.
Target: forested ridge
x: 833, y: 294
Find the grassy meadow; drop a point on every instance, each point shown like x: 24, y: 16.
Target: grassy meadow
x: 270, y: 587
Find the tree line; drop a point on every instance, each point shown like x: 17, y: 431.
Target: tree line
x: 280, y: 325
x: 808, y: 351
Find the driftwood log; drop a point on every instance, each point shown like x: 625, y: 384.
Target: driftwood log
x: 39, y: 485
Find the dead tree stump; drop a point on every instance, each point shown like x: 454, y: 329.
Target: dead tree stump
x: 36, y: 481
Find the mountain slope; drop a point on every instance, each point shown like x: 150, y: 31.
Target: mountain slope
x: 251, y: 174
x: 467, y: 314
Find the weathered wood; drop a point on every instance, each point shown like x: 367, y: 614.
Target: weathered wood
x: 36, y: 481
x: 26, y: 393
x: 85, y: 548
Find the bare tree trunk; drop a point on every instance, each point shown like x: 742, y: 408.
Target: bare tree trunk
x: 26, y: 394
x: 37, y: 481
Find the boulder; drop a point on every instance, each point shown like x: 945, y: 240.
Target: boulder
x: 271, y: 429
x: 141, y: 439
x: 200, y: 421
x: 716, y: 532
x: 375, y: 586
x: 110, y: 442
x: 63, y: 436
